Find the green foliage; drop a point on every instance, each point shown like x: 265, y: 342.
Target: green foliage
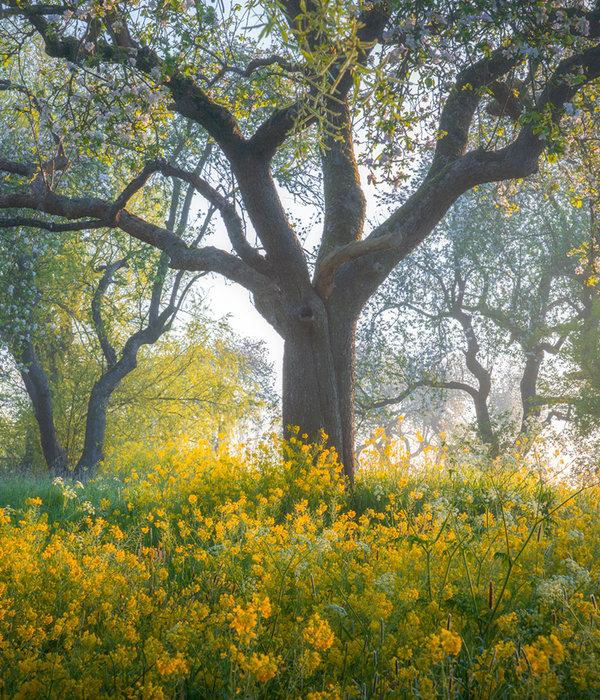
x: 202, y: 382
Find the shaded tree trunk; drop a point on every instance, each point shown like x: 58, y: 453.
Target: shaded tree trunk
x: 484, y: 424
x: 528, y: 388
x: 40, y: 394
x: 318, y: 379
x: 481, y: 394
x: 344, y: 354
x: 95, y: 425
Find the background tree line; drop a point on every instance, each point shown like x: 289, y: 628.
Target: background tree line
x: 495, y: 316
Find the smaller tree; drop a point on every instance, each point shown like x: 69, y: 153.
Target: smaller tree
x: 581, y: 391
x: 94, y: 303
x: 201, y: 382
x: 492, y: 291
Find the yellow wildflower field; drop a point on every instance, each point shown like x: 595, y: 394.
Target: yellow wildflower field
x: 188, y: 575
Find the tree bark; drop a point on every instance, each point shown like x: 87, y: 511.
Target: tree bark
x: 318, y: 379
x: 344, y: 353
x: 528, y: 388
x: 95, y: 425
x: 480, y: 395
x: 484, y: 424
x: 40, y: 394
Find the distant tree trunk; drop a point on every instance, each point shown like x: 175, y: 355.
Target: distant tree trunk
x: 95, y: 425
x: 484, y: 424
x: 481, y: 394
x: 40, y: 394
x: 528, y: 388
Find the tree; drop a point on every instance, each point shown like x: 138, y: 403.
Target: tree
x: 323, y: 83
x: 75, y: 331
x: 120, y: 298
x: 581, y: 174
x: 489, y: 298
x: 201, y: 382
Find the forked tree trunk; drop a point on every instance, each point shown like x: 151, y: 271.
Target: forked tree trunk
x: 95, y: 425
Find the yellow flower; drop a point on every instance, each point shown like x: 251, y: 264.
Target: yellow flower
x: 262, y: 667
x: 318, y: 633
x: 264, y: 607
x: 243, y: 622
x: 446, y: 643
x: 193, y: 499
x: 537, y: 656
x: 450, y: 642
x: 170, y: 666
x: 331, y: 694
x: 117, y: 532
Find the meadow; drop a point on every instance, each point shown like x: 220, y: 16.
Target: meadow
x: 181, y: 574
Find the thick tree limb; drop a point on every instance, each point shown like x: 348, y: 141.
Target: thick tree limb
x: 206, y: 259
x: 16, y: 168
x: 331, y: 263
x: 505, y: 102
x: 457, y: 114
x: 344, y: 200
x: 451, y: 174
x: 27, y: 222
x: 231, y: 219
x: 118, y: 29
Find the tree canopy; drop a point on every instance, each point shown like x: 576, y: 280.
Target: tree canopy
x: 295, y: 95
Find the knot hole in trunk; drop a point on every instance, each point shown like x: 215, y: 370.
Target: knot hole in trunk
x: 306, y: 314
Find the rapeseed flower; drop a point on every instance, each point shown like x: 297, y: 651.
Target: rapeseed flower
x: 318, y: 633
x: 250, y: 575
x: 243, y: 622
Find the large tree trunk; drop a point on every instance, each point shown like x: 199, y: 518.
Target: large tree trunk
x: 318, y: 380
x: 343, y: 339
x: 37, y: 386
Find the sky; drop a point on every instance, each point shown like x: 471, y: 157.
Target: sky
x: 232, y: 300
